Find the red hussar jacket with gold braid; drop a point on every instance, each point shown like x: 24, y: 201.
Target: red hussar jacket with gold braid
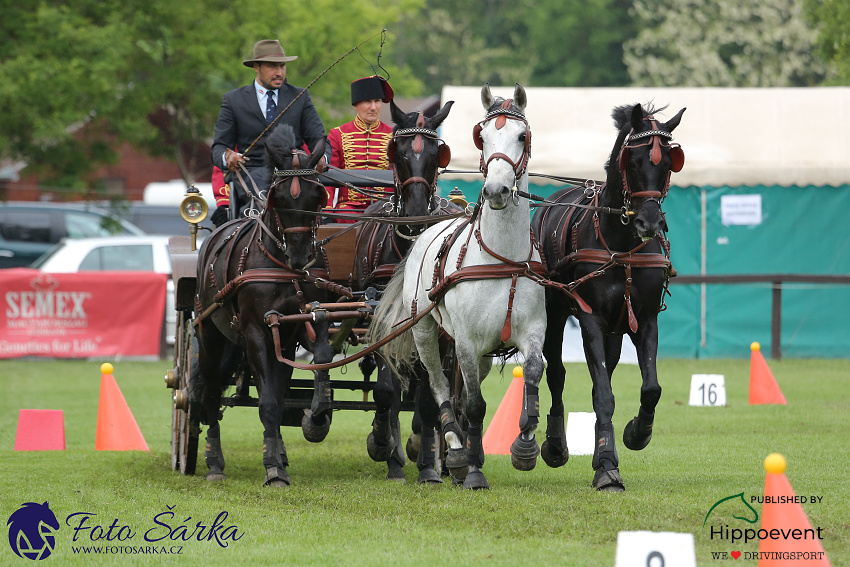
x: 358, y: 146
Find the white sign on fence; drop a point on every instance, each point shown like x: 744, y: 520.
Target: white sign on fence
x: 708, y: 390
x: 655, y: 549
x: 740, y: 209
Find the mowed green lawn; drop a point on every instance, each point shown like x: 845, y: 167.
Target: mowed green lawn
x: 340, y: 510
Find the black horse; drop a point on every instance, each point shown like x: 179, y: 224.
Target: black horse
x: 247, y: 269
x: 608, y: 246
x: 415, y: 153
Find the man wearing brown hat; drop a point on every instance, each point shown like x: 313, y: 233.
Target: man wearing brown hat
x: 361, y: 143
x: 247, y: 111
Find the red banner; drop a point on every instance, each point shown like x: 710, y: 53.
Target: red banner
x: 81, y: 315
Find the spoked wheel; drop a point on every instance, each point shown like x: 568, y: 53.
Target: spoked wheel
x: 185, y: 425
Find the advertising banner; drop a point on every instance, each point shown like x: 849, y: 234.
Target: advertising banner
x: 80, y: 315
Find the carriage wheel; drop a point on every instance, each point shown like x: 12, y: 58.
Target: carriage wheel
x: 175, y: 413
x: 186, y: 425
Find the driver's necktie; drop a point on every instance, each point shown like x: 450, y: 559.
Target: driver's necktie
x: 271, y: 107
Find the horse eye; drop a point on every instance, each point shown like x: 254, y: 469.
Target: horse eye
x: 522, y: 137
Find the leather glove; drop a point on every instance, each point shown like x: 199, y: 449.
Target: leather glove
x: 233, y: 159
x: 220, y: 216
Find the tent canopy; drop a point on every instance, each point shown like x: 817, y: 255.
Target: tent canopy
x: 734, y: 137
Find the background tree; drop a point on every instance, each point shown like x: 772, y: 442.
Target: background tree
x: 533, y: 42
x: 152, y: 72
x: 723, y: 43
x: 832, y: 18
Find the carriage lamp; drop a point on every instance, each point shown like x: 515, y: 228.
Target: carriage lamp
x: 193, y: 209
x: 456, y: 197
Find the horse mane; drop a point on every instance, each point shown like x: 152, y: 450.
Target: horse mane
x: 622, y: 114
x: 497, y: 103
x: 279, y: 146
x: 622, y: 118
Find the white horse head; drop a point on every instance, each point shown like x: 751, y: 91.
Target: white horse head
x: 504, y: 139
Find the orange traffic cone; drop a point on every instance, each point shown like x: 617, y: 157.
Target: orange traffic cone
x: 796, y: 542
x: 504, y: 427
x: 763, y: 387
x: 117, y: 429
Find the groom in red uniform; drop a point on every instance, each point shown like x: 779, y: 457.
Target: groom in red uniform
x: 361, y: 143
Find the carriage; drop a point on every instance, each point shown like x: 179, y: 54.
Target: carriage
x: 340, y: 248
x: 609, y: 268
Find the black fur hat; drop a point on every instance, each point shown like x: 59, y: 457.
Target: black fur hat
x: 371, y: 88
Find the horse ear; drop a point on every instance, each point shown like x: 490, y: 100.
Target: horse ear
x: 396, y: 113
x: 445, y: 155
x: 520, y: 97
x: 636, y: 117
x: 441, y: 115
x: 671, y: 124
x: 317, y: 153
x: 476, y: 137
x: 486, y: 96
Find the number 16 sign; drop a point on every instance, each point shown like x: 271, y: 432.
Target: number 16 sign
x: 708, y: 390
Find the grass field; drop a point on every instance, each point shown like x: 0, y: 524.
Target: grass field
x: 341, y: 511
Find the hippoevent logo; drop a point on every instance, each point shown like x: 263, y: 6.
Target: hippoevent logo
x: 740, y: 535
x: 31, y: 530
x: 33, y: 526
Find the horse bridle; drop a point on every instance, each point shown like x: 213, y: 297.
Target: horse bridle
x: 653, y: 138
x: 297, y: 175
x: 417, y: 132
x: 502, y: 115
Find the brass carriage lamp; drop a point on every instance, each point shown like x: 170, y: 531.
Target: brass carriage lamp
x: 456, y: 196
x: 194, y: 210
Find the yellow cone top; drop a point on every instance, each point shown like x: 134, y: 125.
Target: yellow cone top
x: 517, y: 371
x: 775, y: 463
x: 755, y: 346
x: 106, y: 368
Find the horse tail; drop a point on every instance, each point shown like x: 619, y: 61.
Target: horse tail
x: 400, y: 353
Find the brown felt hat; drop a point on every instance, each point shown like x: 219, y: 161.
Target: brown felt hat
x: 268, y: 51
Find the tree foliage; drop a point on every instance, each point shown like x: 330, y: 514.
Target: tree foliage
x: 723, y: 43
x: 152, y: 72
x: 533, y: 42
x: 832, y: 18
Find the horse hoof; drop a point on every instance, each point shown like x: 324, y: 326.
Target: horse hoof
x: 608, y: 481
x: 429, y: 476
x: 313, y: 432
x: 395, y: 474
x: 379, y: 453
x: 475, y: 481
x: 524, y: 453
x: 457, y: 463
x: 396, y: 478
x: 413, y: 446
x: 634, y: 439
x: 277, y: 477
x: 216, y: 476
x: 552, y: 457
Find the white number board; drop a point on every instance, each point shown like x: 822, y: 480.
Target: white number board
x: 655, y: 549
x: 708, y: 390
